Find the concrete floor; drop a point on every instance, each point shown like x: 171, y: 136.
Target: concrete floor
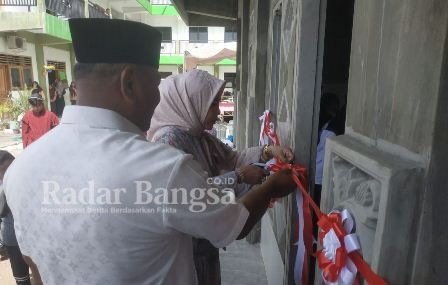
x: 11, y: 143
x: 242, y: 264
x: 6, y: 277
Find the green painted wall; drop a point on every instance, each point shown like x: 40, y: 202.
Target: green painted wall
x: 57, y: 28
x: 169, y: 10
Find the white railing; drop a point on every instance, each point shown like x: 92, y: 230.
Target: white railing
x: 221, y: 130
x: 179, y: 47
x: 168, y: 48
x: 160, y: 2
x: 18, y: 2
x: 187, y: 45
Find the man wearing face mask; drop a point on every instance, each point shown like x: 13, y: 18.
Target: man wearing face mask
x: 101, y: 162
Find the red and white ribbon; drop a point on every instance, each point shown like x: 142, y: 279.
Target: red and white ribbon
x: 340, y: 259
x: 267, y: 129
x: 337, y: 267
x: 303, y: 227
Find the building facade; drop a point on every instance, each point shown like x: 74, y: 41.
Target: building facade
x: 44, y: 51
x: 387, y: 62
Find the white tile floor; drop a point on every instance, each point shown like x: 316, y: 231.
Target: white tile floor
x: 6, y: 277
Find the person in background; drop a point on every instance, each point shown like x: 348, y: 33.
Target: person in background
x: 20, y: 269
x: 40, y: 90
x: 61, y: 87
x: 189, y: 106
x: 73, y: 93
x: 37, y: 121
x: 53, y: 96
x: 66, y: 92
x: 329, y: 109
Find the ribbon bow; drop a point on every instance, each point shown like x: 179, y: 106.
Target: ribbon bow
x: 337, y: 267
x: 339, y: 259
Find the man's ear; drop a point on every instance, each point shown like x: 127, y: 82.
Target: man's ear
x: 127, y: 83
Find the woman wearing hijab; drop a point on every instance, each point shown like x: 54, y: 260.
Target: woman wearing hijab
x: 189, y: 105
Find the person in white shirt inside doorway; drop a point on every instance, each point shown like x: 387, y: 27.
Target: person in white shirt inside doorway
x: 76, y: 239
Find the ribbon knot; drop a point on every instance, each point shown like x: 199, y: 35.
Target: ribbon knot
x: 332, y: 258
x: 339, y: 259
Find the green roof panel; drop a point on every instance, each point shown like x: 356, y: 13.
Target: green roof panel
x: 168, y: 10
x: 227, y: 61
x: 171, y: 60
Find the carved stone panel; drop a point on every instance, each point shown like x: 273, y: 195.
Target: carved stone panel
x: 380, y: 190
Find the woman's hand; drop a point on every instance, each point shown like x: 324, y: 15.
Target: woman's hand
x: 251, y: 174
x: 284, y: 154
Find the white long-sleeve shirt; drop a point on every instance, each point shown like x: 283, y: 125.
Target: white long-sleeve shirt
x: 98, y: 151
x: 321, y: 155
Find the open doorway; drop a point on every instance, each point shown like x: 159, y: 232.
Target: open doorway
x: 335, y: 61
x: 335, y: 75
x: 57, y: 85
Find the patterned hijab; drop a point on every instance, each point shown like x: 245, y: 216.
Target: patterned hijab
x: 185, y: 100
x: 184, y: 103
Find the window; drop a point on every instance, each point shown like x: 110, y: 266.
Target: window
x: 198, y: 35
x: 166, y: 33
x: 16, y: 80
x: 230, y: 78
x: 15, y: 72
x: 28, y: 77
x: 230, y: 34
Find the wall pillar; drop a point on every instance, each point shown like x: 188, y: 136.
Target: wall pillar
x: 243, y: 67
x: 86, y: 8
x: 72, y: 61
x: 397, y: 115
x: 257, y: 72
x: 41, y: 75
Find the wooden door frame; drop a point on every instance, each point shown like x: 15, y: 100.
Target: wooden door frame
x: 5, y: 67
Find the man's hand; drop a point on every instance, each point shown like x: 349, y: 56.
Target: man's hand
x: 251, y: 174
x: 284, y: 154
x: 257, y: 200
x: 281, y: 183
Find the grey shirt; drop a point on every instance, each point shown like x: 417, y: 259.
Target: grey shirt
x: 8, y: 235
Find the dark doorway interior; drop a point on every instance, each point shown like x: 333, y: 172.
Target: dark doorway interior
x: 335, y: 76
x: 335, y: 73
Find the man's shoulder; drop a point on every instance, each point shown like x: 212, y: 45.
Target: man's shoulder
x: 159, y: 152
